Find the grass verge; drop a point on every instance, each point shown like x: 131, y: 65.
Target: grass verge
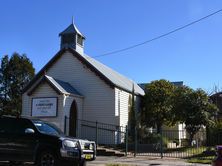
x: 201, y: 160
x: 118, y: 165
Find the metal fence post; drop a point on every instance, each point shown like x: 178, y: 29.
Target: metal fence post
x: 126, y: 139
x: 65, y: 125
x: 97, y: 134
x: 77, y: 128
x: 161, y: 143
x: 135, y: 141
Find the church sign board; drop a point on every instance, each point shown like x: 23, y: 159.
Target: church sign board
x: 44, y: 107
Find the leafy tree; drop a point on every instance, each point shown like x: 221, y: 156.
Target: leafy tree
x: 15, y: 73
x: 181, y: 94
x: 193, y: 108
x: 157, y: 103
x: 4, y: 83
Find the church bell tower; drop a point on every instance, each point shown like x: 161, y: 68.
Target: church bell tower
x: 73, y: 38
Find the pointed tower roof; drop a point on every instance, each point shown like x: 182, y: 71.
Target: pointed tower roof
x: 71, y: 29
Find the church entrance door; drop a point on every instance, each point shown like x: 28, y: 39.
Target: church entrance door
x: 73, y: 119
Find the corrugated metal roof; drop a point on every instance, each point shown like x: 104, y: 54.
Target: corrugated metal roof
x: 178, y: 83
x: 106, y: 73
x: 116, y: 78
x: 63, y: 87
x: 71, y: 29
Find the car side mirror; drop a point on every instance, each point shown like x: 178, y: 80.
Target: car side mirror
x: 29, y: 131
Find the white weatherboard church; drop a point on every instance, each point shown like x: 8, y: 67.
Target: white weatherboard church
x: 78, y: 87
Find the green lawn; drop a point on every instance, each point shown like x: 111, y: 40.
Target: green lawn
x: 201, y: 160
x: 190, y: 150
x: 202, y: 154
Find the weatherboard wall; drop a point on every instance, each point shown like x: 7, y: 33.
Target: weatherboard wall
x: 26, y: 102
x: 99, y: 102
x: 44, y: 90
x: 99, y: 97
x: 122, y: 106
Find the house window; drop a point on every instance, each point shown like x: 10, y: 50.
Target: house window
x: 80, y: 40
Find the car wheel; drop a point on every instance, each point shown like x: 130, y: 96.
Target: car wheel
x: 47, y: 158
x: 82, y: 163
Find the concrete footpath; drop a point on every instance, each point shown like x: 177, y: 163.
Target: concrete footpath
x: 141, y: 161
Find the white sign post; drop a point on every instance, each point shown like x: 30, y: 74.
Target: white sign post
x: 44, y: 107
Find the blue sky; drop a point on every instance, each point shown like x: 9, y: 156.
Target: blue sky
x: 192, y: 55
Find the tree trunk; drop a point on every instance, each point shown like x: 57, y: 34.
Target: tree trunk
x: 159, y: 126
x: 191, y: 138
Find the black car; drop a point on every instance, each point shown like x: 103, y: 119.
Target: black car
x: 31, y: 140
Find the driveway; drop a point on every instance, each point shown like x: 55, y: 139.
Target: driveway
x: 141, y: 161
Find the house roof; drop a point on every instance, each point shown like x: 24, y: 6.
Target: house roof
x: 215, y: 95
x: 117, y: 79
x: 63, y: 87
x: 177, y: 83
x: 111, y: 77
x: 59, y: 86
x: 71, y: 29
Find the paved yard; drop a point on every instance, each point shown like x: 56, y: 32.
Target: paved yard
x: 141, y: 161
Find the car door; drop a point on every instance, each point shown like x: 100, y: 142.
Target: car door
x: 6, y: 141
x: 25, y: 144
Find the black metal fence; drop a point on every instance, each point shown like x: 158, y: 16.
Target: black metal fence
x: 149, y: 142
x: 174, y: 143
x: 101, y: 133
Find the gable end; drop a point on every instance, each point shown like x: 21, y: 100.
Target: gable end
x: 57, y: 57
x: 39, y: 83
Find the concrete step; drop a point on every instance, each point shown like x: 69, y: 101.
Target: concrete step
x: 101, y: 151
x: 113, y: 148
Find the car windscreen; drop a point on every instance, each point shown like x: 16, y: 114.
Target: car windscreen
x: 47, y: 128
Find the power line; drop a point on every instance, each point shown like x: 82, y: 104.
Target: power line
x: 158, y: 37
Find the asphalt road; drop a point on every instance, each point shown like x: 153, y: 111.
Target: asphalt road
x: 131, y: 161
